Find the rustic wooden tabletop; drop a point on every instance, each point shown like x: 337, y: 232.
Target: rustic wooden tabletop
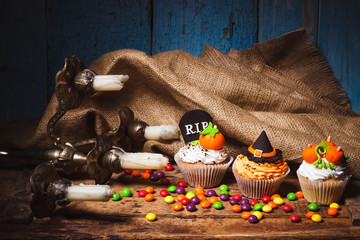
x: 127, y: 218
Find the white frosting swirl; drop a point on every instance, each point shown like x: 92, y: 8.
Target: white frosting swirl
x: 312, y: 173
x: 194, y: 154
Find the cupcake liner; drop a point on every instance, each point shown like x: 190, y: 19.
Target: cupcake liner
x: 322, y: 192
x: 257, y: 188
x: 204, y: 175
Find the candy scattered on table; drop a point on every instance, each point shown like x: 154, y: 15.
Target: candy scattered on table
x: 278, y: 201
x: 291, y: 196
x: 116, y: 196
x: 190, y: 195
x: 210, y: 193
x: 127, y: 171
x: 149, y: 197
x: 164, y: 193
x: 258, y: 207
x: 244, y: 201
x: 149, y: 189
x: 224, y: 197
x: 287, y: 208
x: 233, y: 201
x: 246, y: 207
x: 169, y: 199
x: 334, y: 205
x: 267, y: 208
x: 275, y: 196
x: 195, y: 200
x: 172, y: 189
x: 145, y: 175
x: 150, y: 216
x: 135, y: 173
x: 177, y: 206
x: 295, y: 218
x: 310, y: 214
x: 148, y: 171
x: 316, y: 218
x: 223, y: 187
x: 265, y: 199
x: 218, y: 205
x: 153, y: 177
x: 181, y: 183
x: 299, y: 194
x: 313, y: 207
x: 185, y: 201
x: 191, y: 207
x: 180, y: 190
x: 213, y: 199
x: 126, y: 192
x: 205, y: 204
x: 237, y: 197
x: 224, y: 192
x: 332, y: 211
x: 236, y: 208
x: 272, y: 205
x: 253, y: 202
x: 180, y: 197
x: 258, y: 214
x: 160, y: 174
x: 142, y: 193
x: 252, y: 219
x: 245, y: 215
x: 164, y: 181
x: 169, y: 167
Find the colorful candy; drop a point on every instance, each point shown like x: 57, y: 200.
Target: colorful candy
x: 153, y: 177
x: 116, y: 196
x: 126, y: 192
x: 287, y: 208
x: 275, y: 196
x: 246, y: 207
x: 309, y: 214
x: 291, y: 196
x: 199, y: 189
x: 180, y: 190
x: 191, y: 207
x: 252, y: 219
x: 190, y: 195
x: 160, y: 174
x: 149, y: 197
x: 142, y: 193
x: 201, y: 197
x: 149, y: 189
x: 332, y: 211
x: 267, y: 208
x: 299, y: 194
x: 313, y: 207
x: 295, y: 218
x: 237, y: 197
x: 223, y: 187
x: 205, y: 204
x: 278, y: 200
x: 265, y: 199
x: 272, y: 205
x: 127, y: 171
x: 334, y: 205
x: 164, y: 193
x: 177, y: 206
x: 150, y: 216
x: 253, y: 202
x: 224, y: 192
x: 245, y: 215
x: 210, y: 193
x: 169, y: 199
x: 169, y: 167
x: 236, y: 208
x: 316, y: 218
x: 257, y: 214
x: 233, y: 201
x: 195, y: 200
x: 185, y: 201
x: 172, y: 189
x: 180, y: 197
x: 224, y: 197
x: 244, y: 201
x: 145, y: 175
x: 181, y: 183
x: 218, y: 205
x: 135, y: 173
x: 213, y: 199
x: 258, y: 207
x: 147, y: 171
x: 164, y: 181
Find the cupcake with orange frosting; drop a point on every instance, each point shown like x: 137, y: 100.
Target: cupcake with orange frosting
x: 260, y: 169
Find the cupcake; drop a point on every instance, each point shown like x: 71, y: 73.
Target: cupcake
x: 323, y: 174
x: 260, y: 169
x: 204, y: 162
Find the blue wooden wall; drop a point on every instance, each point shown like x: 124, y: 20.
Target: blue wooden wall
x: 38, y: 34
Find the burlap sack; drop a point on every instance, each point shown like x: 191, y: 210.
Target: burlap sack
x: 283, y: 86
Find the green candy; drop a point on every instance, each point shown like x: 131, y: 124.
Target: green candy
x: 191, y: 192
x: 224, y: 191
x: 126, y: 192
x: 224, y: 187
x: 116, y: 197
x: 258, y: 207
x: 218, y: 205
x: 172, y: 189
x: 291, y: 196
x: 313, y: 207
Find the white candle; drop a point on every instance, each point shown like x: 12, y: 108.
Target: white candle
x: 89, y: 193
x: 109, y: 82
x: 140, y: 160
x: 163, y: 132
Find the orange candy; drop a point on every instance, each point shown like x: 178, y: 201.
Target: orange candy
x: 180, y: 196
x: 309, y: 214
x: 149, y: 197
x: 177, y: 206
x: 205, y: 204
x: 199, y: 193
x: 199, y: 189
x: 213, y: 199
x: 201, y: 197
x: 272, y: 205
x: 275, y: 196
x: 332, y: 211
x: 135, y: 173
x: 245, y: 215
x: 145, y: 175
x: 149, y: 189
x: 236, y: 208
x: 299, y: 194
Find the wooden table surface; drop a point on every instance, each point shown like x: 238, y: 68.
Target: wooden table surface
x: 126, y: 218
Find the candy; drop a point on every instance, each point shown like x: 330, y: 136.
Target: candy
x: 172, y: 189
x: 245, y: 215
x: 291, y: 196
x: 153, y: 177
x: 210, y: 193
x: 275, y: 196
x: 185, y: 201
x: 252, y: 219
x: 258, y: 207
x: 135, y: 173
x: 313, y: 207
x: 266, y: 199
x: 195, y: 200
x: 236, y: 208
x: 164, y: 181
x: 295, y: 218
x: 116, y: 196
x: 177, y: 206
x: 149, y: 189
x: 272, y: 205
x: 244, y: 201
x: 218, y: 205
x: 192, y: 192
x: 316, y: 218
x: 201, y: 197
x: 169, y: 199
x: 149, y: 197
x: 164, y: 193
x: 189, y: 195
x: 160, y: 174
x: 223, y: 187
x: 205, y: 204
x: 142, y: 193
x: 224, y: 197
x: 145, y: 175
x: 213, y: 199
x: 200, y: 193
x: 334, y: 205
x: 126, y: 192
x: 299, y: 194
x: 181, y: 183
x: 332, y: 211
x: 180, y: 190
x: 245, y: 207
x: 233, y: 201
x: 191, y: 207
x: 127, y: 171
x: 267, y: 208
x: 150, y: 216
x: 253, y: 202
x: 287, y: 208
x: 147, y: 171
x: 180, y: 197
x: 224, y: 191
x: 309, y: 214
x: 169, y: 167
x: 199, y: 189
x: 278, y: 200
x: 237, y: 197
x: 257, y: 214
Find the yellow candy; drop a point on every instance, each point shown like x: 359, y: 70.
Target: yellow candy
x: 169, y: 199
x: 267, y: 208
x: 316, y: 218
x: 334, y: 205
x: 278, y: 201
x: 190, y: 195
x: 150, y: 216
x: 257, y: 214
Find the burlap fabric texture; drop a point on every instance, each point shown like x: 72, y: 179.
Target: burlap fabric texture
x: 283, y: 86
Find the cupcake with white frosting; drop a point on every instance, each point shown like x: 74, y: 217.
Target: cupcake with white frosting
x: 323, y: 174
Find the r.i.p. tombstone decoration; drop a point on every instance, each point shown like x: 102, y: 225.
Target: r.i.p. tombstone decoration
x: 192, y: 123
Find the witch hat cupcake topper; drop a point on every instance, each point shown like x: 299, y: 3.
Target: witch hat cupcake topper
x: 262, y: 151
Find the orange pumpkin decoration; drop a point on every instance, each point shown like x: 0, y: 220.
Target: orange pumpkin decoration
x: 334, y: 155
x: 328, y: 142
x: 309, y: 154
x: 211, y: 138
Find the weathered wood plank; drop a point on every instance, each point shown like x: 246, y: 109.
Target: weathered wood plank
x: 22, y: 60
x: 339, y: 42
x: 189, y: 25
x: 89, y: 29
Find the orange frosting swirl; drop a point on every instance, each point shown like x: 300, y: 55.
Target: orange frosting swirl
x: 253, y: 170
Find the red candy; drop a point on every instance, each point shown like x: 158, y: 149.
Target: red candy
x: 266, y: 199
x: 237, y: 197
x: 294, y: 218
x: 127, y: 171
x: 253, y: 202
x: 185, y: 201
x: 164, y: 193
x: 181, y: 183
x: 142, y: 193
x: 169, y: 167
x: 148, y: 171
x: 164, y: 181
x: 287, y: 208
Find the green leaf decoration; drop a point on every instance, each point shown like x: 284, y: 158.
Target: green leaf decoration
x: 347, y: 157
x: 193, y: 143
x: 321, y: 149
x: 210, y: 130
